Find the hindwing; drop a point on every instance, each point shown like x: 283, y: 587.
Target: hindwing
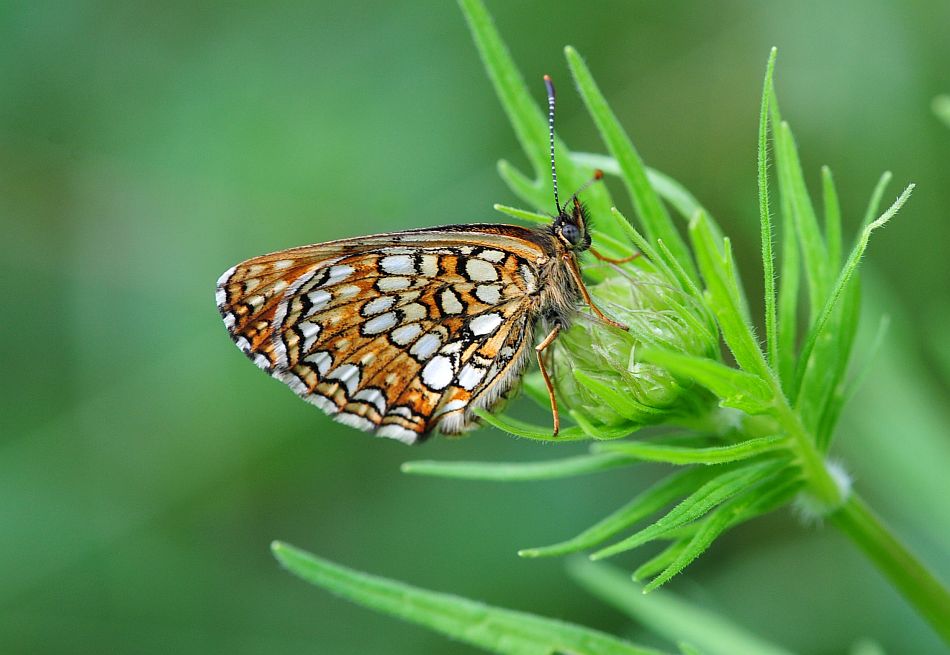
x: 397, y: 334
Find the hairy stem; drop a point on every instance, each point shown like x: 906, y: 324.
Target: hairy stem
x: 925, y: 592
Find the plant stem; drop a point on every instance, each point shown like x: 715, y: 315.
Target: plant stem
x: 928, y: 595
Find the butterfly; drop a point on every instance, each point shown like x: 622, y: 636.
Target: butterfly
x: 405, y: 333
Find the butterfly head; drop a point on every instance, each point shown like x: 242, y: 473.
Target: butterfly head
x: 571, y: 227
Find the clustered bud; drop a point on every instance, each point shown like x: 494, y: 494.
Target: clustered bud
x: 596, y: 368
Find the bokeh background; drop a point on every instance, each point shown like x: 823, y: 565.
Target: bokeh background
x: 145, y: 465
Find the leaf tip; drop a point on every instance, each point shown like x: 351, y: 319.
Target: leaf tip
x: 528, y: 552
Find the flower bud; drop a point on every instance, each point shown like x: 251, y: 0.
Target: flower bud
x: 596, y: 368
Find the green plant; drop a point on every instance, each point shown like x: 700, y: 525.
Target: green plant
x: 755, y: 424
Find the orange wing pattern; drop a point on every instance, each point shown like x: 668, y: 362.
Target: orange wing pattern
x: 397, y: 334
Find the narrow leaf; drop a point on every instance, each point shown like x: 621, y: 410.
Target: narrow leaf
x: 765, y: 219
x: 876, y: 195
x: 722, y: 295
x: 846, y: 273
x: 651, y: 452
x: 668, y: 615
x: 523, y: 214
x: 790, y: 275
x: 641, y: 506
x: 711, y: 494
x: 832, y: 218
x: 660, y: 561
x: 814, y: 253
x: 529, y: 431
x: 656, y: 221
x: 510, y: 471
x: 491, y: 628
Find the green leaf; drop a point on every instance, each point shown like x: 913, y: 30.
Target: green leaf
x: 641, y: 506
x: 711, y: 494
x: 733, y: 387
x: 778, y: 489
x: 765, y: 219
x: 723, y: 296
x: 493, y: 629
x: 510, y: 471
x: 654, y: 452
x: 846, y: 273
x: 529, y: 431
x: 522, y: 214
x: 660, y: 561
x: 814, y: 252
x: 829, y: 196
x: 656, y: 221
x: 668, y: 615
x: 789, y: 282
x: 876, y: 195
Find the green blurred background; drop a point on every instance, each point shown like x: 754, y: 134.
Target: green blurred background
x: 145, y: 464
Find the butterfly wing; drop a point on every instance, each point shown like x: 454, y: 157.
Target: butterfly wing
x: 397, y: 334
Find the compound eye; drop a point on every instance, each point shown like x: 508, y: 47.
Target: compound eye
x: 572, y: 233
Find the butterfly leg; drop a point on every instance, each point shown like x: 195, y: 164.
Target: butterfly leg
x: 576, y: 275
x: 611, y: 260
x: 539, y: 351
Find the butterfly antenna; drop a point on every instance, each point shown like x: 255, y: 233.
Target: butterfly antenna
x: 549, y: 85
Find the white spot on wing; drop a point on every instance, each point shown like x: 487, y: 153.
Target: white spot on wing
x: 413, y: 312
x: 398, y: 265
x: 478, y: 270
x: 347, y: 291
x: 378, y: 305
x: 452, y: 406
x: 323, y: 403
x: 322, y: 360
x: 318, y: 299
x: 380, y: 323
x: 337, y: 274
x: 437, y: 374
x: 392, y: 283
x: 404, y: 334
x: 489, y: 294
x: 281, y: 264
x: 470, y: 376
x: 349, y: 375
x: 397, y: 432
x: 492, y: 255
x: 485, y: 324
x: 450, y: 302
x: 374, y: 397
x: 355, y: 421
x: 430, y: 265
x: 426, y: 346
x: 530, y: 280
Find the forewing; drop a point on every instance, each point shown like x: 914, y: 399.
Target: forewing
x: 396, y: 334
